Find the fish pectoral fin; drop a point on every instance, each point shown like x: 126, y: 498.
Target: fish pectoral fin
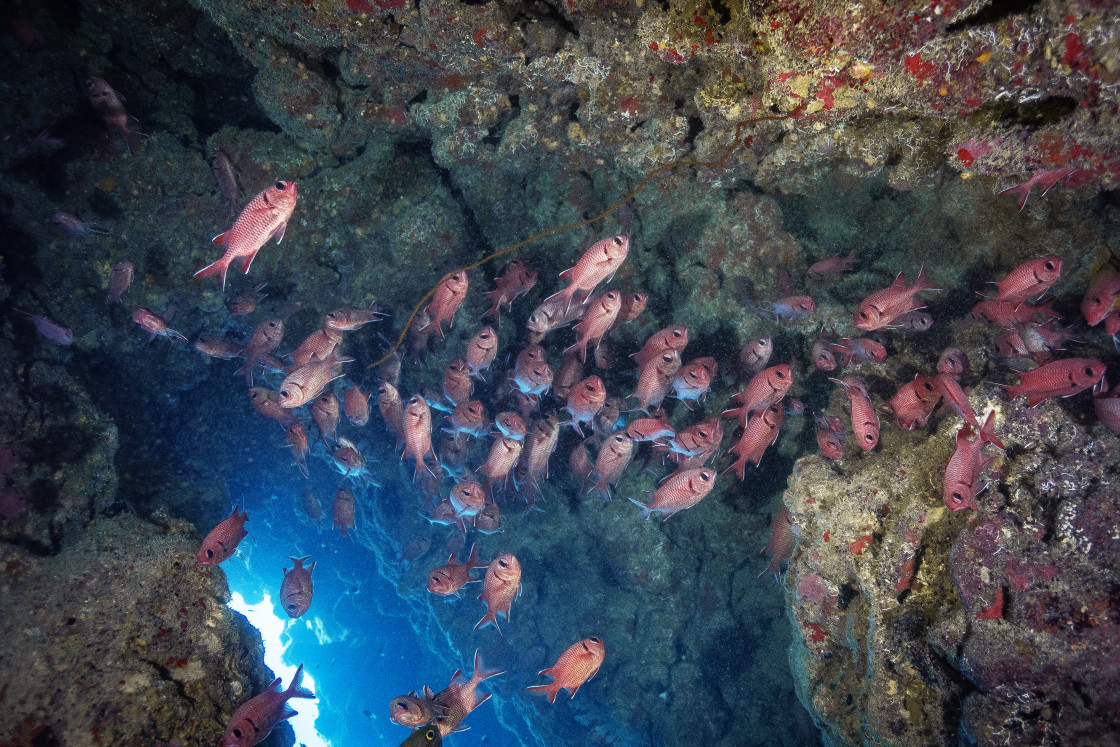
x: 278, y: 234
x: 221, y: 239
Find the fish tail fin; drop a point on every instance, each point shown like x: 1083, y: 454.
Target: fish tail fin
x: 921, y: 283
x: 296, y: 690
x: 480, y: 671
x: 1022, y: 190
x: 216, y: 268
x: 987, y: 431
x: 646, y: 510
x: 248, y: 260
x: 550, y: 690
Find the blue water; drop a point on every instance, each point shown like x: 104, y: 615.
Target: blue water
x: 358, y: 639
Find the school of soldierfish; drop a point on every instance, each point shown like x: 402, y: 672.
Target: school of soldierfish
x: 533, y: 401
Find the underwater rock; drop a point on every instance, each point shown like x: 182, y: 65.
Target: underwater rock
x: 122, y: 639
x: 912, y: 622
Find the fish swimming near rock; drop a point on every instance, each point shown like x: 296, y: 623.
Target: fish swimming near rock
x: 448, y: 296
x: 600, y: 262
x: 225, y: 175
x: 256, y: 717
x: 247, y: 302
x: 50, y: 330
x: 783, y: 541
x: 305, y: 383
x: 680, y: 490
x: 831, y: 268
x: 120, y: 279
x: 865, y: 422
x: 1061, y: 378
x: 351, y: 318
x: 962, y: 473
x: 576, y: 665
x: 155, y: 326
x: 109, y: 105
x: 449, y: 578
x: 500, y: 586
x: 222, y: 541
x: 516, y: 278
x: 73, y: 224
x: 296, y: 590
x: 265, y: 217
x: 883, y: 307
x: 1031, y: 278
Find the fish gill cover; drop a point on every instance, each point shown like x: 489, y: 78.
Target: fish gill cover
x: 380, y: 176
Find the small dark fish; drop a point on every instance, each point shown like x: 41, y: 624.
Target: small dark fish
x: 429, y: 735
x: 120, y: 280
x: 73, y: 224
x: 53, y: 331
x: 226, y: 177
x: 109, y: 105
x: 246, y: 303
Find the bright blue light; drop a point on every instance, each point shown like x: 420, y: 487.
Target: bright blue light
x: 272, y: 630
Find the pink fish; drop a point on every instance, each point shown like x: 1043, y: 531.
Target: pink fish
x: 963, y: 471
x: 601, y: 260
x: 448, y: 296
x: 654, y: 379
x: 783, y: 541
x: 119, y: 281
x: 1045, y: 178
x: 1101, y: 296
x: 109, y: 105
x: 256, y: 717
x: 481, y: 351
x: 694, y: 379
x: 675, y: 338
x: 831, y: 268
x: 830, y: 435
x: 756, y: 354
x: 50, y: 330
x: 759, y: 434
x: 766, y: 388
x: 914, y: 402
x: 74, y: 224
x: 585, y: 401
x: 953, y: 362
x: 794, y: 307
x: 600, y: 316
x: 1107, y: 406
x: 650, y: 429
x: 883, y: 307
x: 1062, y: 378
x: 680, y: 490
x: 951, y: 390
x: 614, y: 455
x: 1031, y: 278
x: 1009, y: 313
x: 865, y: 423
x: 155, y: 326
x: 516, y: 279
x: 222, y: 541
x: 265, y: 217
x: 860, y: 348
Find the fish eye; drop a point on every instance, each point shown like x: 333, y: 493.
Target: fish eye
x: 704, y: 476
x: 618, y: 241
x: 594, y: 640
x: 1089, y: 371
x: 237, y: 732
x: 209, y: 553
x: 272, y: 324
x: 863, y: 315
x: 284, y: 393
x: 869, y: 437
x: 281, y: 186
x: 703, y: 434
x: 958, y: 497
x: 1049, y: 266
x: 780, y: 374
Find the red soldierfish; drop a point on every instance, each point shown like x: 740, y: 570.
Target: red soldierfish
x: 110, y: 107
x: 599, y: 317
x: 355, y: 403
x: 914, y: 402
x: 55, y: 332
x: 413, y: 711
x: 342, y: 510
x: 457, y: 382
x: 883, y: 307
x: 756, y: 354
x: 694, y: 379
x: 830, y: 435
x: 246, y: 303
x: 256, y: 717
x: 1061, y: 378
x: 516, y: 278
x: 504, y: 453
x: 793, y: 307
x: 264, y: 218
x: 613, y: 457
x: 500, y: 586
x: 650, y: 429
x: 417, y: 424
x: 1107, y: 406
x: 1031, y: 278
x: 1008, y: 313
x: 783, y: 541
x: 965, y: 466
x: 458, y: 698
x: 325, y: 412
x: 1046, y: 178
x: 305, y: 383
x: 597, y: 264
x: 865, y: 422
x: 223, y: 539
x: 675, y: 338
x: 296, y: 590
x: 319, y: 345
x: 831, y: 268
x: 448, y: 579
x: 448, y: 296
x: 481, y: 350
x: 953, y: 362
x: 1101, y: 296
x: 119, y: 281
x: 860, y: 348
x: 766, y: 388
x: 585, y: 401
x: 469, y: 418
x: 759, y: 434
x: 655, y: 378
x: 266, y: 338
x: 351, y: 318
x: 297, y: 440
x: 576, y: 665
x: 154, y: 326
x: 680, y: 490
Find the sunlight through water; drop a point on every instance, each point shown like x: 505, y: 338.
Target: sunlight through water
x: 272, y: 630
